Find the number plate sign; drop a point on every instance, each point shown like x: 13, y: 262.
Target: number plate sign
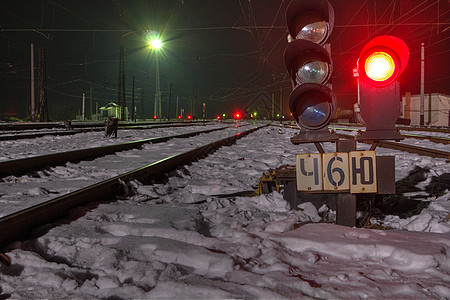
x: 337, y: 172
x: 309, y: 168
x: 363, y: 172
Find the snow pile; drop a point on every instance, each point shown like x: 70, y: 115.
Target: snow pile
x: 434, y: 218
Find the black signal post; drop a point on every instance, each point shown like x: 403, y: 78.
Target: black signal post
x: 336, y: 178
x: 308, y: 61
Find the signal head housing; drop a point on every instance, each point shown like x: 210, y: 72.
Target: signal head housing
x: 318, y: 14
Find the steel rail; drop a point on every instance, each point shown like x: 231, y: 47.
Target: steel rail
x: 403, y: 127
x: 19, y: 225
x: 434, y: 139
x: 32, y: 135
x: 431, y: 129
x: 49, y: 125
x: 401, y: 146
x: 405, y: 147
x: 28, y: 164
x: 23, y: 136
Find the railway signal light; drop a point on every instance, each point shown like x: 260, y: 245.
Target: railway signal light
x: 308, y: 61
x: 380, y: 63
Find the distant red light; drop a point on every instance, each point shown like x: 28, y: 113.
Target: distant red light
x: 189, y: 117
x: 179, y: 117
x: 155, y: 117
x: 218, y: 117
x: 237, y: 115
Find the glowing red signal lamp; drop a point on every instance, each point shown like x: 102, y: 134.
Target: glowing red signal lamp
x: 218, y: 117
x: 179, y: 117
x: 382, y: 60
x: 189, y: 117
x: 155, y: 117
x: 380, y: 64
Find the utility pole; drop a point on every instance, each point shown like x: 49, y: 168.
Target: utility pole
x: 142, y: 104
x: 121, y: 87
x: 170, y: 100
x: 176, y: 109
x: 157, y: 110
x: 42, y: 106
x: 33, y: 109
x: 90, y: 103
x: 194, y: 101
x: 273, y: 104
x: 85, y: 81
x: 132, y: 102
x: 422, y: 83
x: 124, y: 96
x: 83, y: 107
x: 281, y: 101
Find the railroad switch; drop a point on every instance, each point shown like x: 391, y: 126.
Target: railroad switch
x: 268, y: 183
x: 275, y: 179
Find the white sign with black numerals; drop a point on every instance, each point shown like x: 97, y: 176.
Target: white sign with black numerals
x: 363, y: 173
x: 309, y: 172
x: 337, y: 172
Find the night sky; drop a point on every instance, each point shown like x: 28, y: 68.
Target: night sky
x: 224, y: 53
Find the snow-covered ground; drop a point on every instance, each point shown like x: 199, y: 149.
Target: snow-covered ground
x: 28, y: 190
x: 191, y: 238
x: 15, y: 149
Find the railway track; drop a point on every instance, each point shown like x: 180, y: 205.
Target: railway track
x: 19, y: 225
x: 405, y: 147
x: 434, y: 139
x: 31, y: 135
x: 28, y: 164
x: 402, y: 127
x: 80, y: 125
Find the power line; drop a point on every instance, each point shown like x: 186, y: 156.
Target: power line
x: 234, y: 27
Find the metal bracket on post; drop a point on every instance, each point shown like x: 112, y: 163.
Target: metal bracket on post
x: 319, y: 147
x: 374, y: 145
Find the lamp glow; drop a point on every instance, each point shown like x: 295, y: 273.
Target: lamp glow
x: 379, y: 66
x: 153, y: 40
x: 156, y: 43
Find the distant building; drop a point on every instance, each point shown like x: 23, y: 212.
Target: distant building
x: 112, y: 110
x: 436, y: 109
